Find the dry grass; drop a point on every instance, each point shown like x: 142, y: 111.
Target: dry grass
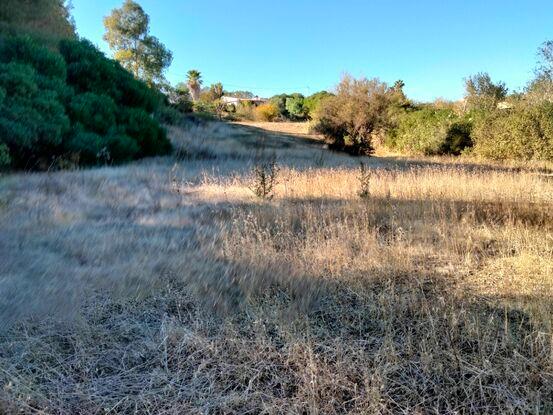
x: 188, y: 294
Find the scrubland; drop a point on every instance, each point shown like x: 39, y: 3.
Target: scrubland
x: 167, y: 286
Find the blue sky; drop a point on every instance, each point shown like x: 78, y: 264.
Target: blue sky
x: 270, y: 47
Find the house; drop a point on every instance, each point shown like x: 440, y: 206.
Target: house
x: 235, y: 101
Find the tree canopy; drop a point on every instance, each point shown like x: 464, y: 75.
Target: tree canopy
x: 127, y: 34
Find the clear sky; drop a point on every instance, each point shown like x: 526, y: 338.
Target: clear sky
x: 271, y: 47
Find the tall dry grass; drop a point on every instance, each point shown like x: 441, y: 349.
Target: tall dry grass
x: 434, y: 294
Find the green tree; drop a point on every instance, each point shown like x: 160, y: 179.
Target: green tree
x: 216, y: 91
x: 482, y: 93
x: 127, y: 34
x: 295, y: 106
x: 194, y: 82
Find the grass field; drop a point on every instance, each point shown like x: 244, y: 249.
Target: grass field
x: 167, y: 287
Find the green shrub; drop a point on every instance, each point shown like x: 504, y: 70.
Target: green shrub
x: 524, y: 132
x: 75, y: 104
x: 32, y: 121
x: 5, y: 159
x: 95, y: 112
x: 430, y: 131
x: 27, y: 51
x: 295, y: 107
x: 150, y: 137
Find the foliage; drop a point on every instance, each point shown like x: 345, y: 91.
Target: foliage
x: 127, y: 34
x: 74, y: 103
x: 364, y: 179
x: 194, y: 82
x: 5, y: 159
x: 482, y: 93
x: 313, y: 102
x: 430, y: 131
x: 358, y: 110
x: 180, y: 99
x: 295, y: 107
x: 216, y: 91
x: 265, y: 178
x: 49, y: 20
x: 524, y: 132
x: 266, y: 112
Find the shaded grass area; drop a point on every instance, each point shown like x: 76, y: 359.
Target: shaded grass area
x: 431, y: 295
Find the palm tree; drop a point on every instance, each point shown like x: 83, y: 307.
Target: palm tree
x: 194, y: 81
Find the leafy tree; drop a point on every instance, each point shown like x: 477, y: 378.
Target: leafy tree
x: 358, y: 110
x: 180, y: 98
x: 127, y: 34
x: 216, y: 91
x: 541, y: 87
x: 295, y: 107
x: 312, y: 102
x: 194, y: 82
x: 482, y: 93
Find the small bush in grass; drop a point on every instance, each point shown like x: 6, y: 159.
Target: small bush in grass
x: 265, y: 178
x: 364, y: 181
x: 266, y: 112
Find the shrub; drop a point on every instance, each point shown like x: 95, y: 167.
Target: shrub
x: 524, y: 132
x: 32, y: 121
x: 75, y: 104
x: 245, y: 111
x: 95, y: 112
x: 150, y: 137
x: 313, y: 102
x: 5, y: 158
x: 295, y: 107
x: 87, y: 146
x: 27, y: 51
x: 430, y: 131
x: 357, y: 111
x: 266, y: 112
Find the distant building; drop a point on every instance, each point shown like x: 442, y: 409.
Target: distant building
x: 255, y: 101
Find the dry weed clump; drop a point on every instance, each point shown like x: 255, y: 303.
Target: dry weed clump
x: 436, y: 296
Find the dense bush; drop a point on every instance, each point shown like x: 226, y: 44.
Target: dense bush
x: 430, y: 131
x: 313, y: 102
x: 359, y: 110
x: 266, y: 112
x: 73, y: 103
x: 523, y: 132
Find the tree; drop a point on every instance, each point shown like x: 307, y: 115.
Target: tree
x: 482, y: 93
x: 216, y: 91
x: 295, y: 107
x: 541, y: 87
x: 194, y: 81
x: 359, y: 109
x: 127, y: 34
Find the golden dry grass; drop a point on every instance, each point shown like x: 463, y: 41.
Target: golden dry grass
x: 166, y: 286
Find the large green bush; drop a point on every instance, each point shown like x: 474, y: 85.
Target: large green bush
x: 430, y: 131
x: 73, y: 103
x: 523, y: 132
